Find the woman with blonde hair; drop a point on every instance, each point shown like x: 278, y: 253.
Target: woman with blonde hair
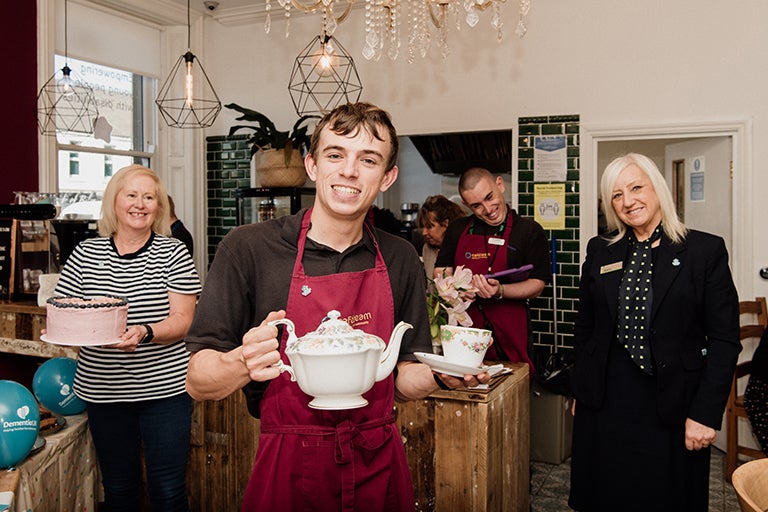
x: 134, y: 388
x: 656, y: 340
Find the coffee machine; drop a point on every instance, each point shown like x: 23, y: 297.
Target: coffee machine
x: 409, y: 230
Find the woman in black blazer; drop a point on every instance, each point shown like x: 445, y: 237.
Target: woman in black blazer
x: 656, y: 342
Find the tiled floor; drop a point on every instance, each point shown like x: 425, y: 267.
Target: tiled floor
x: 550, y: 484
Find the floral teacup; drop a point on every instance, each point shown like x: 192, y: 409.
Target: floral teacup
x: 465, y: 346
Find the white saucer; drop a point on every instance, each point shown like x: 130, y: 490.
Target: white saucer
x: 440, y: 365
x: 84, y: 343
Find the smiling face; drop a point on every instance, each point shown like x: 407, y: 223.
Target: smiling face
x: 486, y: 200
x: 349, y: 171
x: 136, y: 204
x: 635, y: 202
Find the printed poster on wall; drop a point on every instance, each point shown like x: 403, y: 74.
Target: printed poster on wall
x: 550, y: 158
x: 697, y: 180
x: 6, y: 253
x: 697, y: 187
x: 549, y: 203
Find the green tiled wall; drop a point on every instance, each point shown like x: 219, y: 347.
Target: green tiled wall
x: 228, y: 168
x: 567, y: 240
x: 228, y: 161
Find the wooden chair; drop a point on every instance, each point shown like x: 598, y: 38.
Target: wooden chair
x: 750, y: 480
x: 735, y: 407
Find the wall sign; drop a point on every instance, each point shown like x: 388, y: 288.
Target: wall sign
x: 696, y: 187
x: 6, y: 255
x: 550, y: 158
x: 549, y: 205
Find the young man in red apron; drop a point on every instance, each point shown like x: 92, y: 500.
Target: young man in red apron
x: 312, y: 459
x: 496, y: 238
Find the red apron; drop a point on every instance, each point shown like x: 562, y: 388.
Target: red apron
x: 482, y: 255
x: 323, y: 460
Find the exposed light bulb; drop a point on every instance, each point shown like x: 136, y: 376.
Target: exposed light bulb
x: 64, y: 86
x: 325, y: 60
x: 189, y: 94
x: 188, y: 86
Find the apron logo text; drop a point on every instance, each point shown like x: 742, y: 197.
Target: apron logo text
x: 359, y: 319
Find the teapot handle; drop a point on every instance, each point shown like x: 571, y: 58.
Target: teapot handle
x: 289, y: 327
x: 280, y: 365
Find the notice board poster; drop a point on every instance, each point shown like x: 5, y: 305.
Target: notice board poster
x: 549, y: 203
x: 550, y: 158
x: 6, y: 253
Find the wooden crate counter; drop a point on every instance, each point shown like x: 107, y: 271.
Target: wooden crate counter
x: 20, y: 325
x: 21, y: 320
x: 469, y: 450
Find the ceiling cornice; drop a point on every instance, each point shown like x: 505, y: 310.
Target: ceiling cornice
x: 243, y: 15
x: 160, y: 12
x: 172, y: 12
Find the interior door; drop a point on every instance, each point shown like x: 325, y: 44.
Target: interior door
x: 703, y: 182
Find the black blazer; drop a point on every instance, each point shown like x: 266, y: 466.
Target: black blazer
x: 694, y: 326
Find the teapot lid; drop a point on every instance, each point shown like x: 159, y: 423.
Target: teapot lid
x: 332, y: 326
x: 335, y: 335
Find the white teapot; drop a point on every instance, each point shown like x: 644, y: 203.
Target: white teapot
x: 336, y: 364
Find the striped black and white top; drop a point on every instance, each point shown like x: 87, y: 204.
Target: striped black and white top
x: 144, y: 278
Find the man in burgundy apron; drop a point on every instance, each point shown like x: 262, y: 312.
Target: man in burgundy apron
x: 353, y: 457
x: 308, y: 459
x: 495, y: 238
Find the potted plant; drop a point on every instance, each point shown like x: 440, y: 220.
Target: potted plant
x: 278, y: 155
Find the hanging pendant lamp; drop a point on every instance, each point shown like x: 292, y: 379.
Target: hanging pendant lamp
x: 66, y: 103
x: 324, y: 76
x: 187, y: 98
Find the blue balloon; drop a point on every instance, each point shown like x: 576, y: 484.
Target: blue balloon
x: 53, y: 385
x: 19, y: 423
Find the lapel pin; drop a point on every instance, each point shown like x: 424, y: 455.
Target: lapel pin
x: 305, y: 290
x: 675, y: 262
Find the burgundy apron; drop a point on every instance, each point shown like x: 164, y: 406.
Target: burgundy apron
x: 483, y: 255
x: 324, y: 460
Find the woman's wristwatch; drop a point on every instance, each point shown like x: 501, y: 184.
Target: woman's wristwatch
x: 149, y: 336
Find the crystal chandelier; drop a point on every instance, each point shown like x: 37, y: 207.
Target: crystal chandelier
x: 66, y: 103
x: 387, y: 21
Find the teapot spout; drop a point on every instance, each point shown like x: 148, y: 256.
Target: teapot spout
x: 389, y: 357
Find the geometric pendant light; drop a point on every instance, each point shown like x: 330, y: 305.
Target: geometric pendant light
x: 323, y: 76
x: 187, y: 98
x: 66, y: 102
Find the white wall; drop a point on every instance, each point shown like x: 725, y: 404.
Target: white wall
x: 610, y: 61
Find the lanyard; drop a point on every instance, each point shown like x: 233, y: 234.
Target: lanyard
x: 499, y: 232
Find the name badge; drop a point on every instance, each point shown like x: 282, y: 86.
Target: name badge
x: 612, y: 267
x: 496, y: 241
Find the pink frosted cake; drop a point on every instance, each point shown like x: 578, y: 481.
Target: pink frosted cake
x: 80, y: 321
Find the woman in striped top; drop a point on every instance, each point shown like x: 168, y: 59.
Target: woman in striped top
x: 134, y: 389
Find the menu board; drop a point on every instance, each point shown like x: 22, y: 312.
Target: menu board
x: 6, y: 252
